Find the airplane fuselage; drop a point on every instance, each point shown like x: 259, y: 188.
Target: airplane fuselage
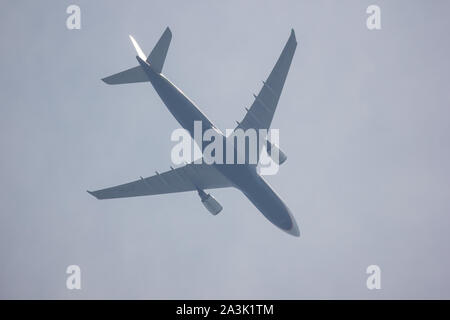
x: 243, y: 176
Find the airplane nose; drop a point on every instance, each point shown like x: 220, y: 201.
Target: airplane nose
x: 294, y: 230
x: 285, y: 220
x: 274, y: 209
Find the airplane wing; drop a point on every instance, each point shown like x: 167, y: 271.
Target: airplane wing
x: 186, y: 178
x: 260, y: 114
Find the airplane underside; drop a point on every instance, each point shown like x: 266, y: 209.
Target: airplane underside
x: 200, y: 177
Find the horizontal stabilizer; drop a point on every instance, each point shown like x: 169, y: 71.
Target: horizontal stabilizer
x: 155, y: 59
x: 132, y: 75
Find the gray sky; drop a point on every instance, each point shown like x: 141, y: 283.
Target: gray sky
x: 364, y: 120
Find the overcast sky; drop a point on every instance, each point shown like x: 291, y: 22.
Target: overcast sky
x: 363, y: 118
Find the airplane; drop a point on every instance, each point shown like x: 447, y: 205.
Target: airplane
x: 199, y: 177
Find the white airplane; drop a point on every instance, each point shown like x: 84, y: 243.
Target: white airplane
x: 198, y: 177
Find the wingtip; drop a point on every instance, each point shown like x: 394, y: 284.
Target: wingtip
x: 293, y: 34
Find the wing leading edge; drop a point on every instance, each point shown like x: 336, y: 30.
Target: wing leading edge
x: 182, y: 179
x: 260, y: 114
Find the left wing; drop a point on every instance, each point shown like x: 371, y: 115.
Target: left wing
x: 260, y: 114
x: 186, y: 178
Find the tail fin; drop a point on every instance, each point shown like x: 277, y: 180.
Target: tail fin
x: 137, y: 47
x: 156, y: 60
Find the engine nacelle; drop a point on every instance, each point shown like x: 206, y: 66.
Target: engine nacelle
x: 210, y: 203
x: 272, y: 149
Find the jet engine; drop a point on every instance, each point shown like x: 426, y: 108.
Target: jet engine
x: 210, y: 202
x: 272, y: 151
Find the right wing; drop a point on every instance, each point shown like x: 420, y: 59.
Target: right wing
x: 260, y: 114
x: 186, y: 178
